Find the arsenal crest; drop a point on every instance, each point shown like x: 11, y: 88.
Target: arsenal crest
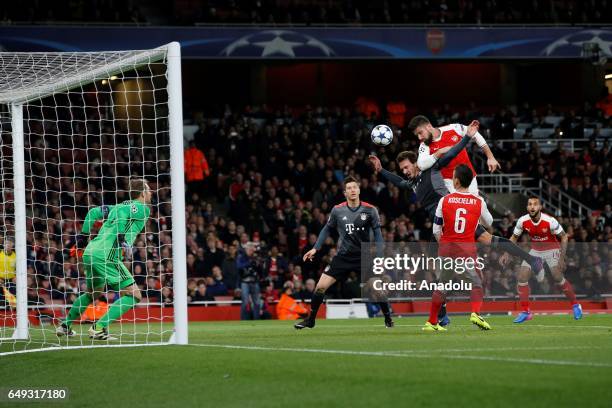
x: 435, y: 40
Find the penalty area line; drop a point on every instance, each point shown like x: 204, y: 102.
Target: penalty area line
x: 406, y: 355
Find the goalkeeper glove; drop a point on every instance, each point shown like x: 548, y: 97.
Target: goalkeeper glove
x: 127, y: 251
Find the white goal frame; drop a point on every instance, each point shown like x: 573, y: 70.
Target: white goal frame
x: 16, y: 97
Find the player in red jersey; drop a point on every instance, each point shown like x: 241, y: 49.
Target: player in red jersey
x: 433, y: 139
x: 457, y: 217
x: 543, y: 231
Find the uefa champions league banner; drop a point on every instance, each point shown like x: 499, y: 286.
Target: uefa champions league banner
x: 416, y: 269
x: 318, y: 43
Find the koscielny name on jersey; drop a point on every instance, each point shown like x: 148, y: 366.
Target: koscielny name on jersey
x: 462, y: 200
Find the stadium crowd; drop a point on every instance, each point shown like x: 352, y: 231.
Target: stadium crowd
x: 356, y: 12
x: 261, y: 185
x: 399, y: 12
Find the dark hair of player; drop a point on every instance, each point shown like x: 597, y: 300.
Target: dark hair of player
x: 464, y: 174
x: 417, y: 121
x: 406, y: 155
x: 349, y: 179
x: 137, y: 187
x: 533, y: 197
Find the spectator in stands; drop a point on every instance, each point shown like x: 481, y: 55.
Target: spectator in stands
x: 275, y: 266
x: 196, y: 168
x: 270, y: 294
x: 200, y: 294
x: 166, y: 296
x: 153, y: 293
x: 215, y: 286
x: 194, y: 266
x: 230, y: 269
x: 229, y: 235
x: 213, y: 255
x: 308, y: 291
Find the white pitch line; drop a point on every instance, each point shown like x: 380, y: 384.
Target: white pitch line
x: 82, y: 347
x: 374, y: 326
x: 392, y: 354
x: 478, y: 350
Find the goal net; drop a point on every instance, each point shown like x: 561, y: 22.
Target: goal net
x: 76, y: 130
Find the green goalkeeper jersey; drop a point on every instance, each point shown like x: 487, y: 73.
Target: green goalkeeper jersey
x: 123, y: 222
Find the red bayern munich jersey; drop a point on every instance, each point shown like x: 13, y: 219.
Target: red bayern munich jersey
x: 543, y: 234
x: 451, y: 135
x: 460, y: 214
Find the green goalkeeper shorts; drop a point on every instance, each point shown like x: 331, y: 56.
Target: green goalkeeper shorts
x: 100, y: 272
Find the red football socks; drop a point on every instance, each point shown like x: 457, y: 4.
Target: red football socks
x: 524, y: 292
x: 476, y: 296
x: 436, y: 302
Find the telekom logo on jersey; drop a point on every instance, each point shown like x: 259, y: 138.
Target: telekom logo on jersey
x: 351, y: 227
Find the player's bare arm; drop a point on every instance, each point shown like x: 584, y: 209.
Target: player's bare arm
x: 492, y: 162
x: 472, y: 131
x: 563, y: 238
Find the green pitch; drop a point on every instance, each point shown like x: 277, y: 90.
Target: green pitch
x: 549, y: 362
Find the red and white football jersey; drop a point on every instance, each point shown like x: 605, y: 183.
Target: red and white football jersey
x: 459, y: 214
x: 543, y: 234
x: 450, y: 135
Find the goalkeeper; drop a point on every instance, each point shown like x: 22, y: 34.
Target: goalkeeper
x: 103, y: 259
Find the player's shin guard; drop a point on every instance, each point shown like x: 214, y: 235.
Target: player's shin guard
x: 436, y: 302
x: 116, y: 310
x: 568, y: 291
x: 78, y: 307
x: 315, y: 303
x: 524, y: 292
x: 476, y: 296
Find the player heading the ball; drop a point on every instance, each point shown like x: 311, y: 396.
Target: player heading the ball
x: 432, y: 139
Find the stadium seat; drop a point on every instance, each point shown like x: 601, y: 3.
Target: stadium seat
x: 606, y: 132
x: 541, y: 133
x: 553, y: 120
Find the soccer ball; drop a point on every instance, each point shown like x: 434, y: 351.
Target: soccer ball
x: 382, y: 135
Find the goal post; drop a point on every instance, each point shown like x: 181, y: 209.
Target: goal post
x: 82, y: 125
x: 179, y: 247
x: 21, y: 324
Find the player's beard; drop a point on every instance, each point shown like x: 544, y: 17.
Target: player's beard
x: 535, y: 216
x: 429, y: 139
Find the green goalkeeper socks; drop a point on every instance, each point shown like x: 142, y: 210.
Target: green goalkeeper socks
x: 118, y: 308
x: 78, y: 307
